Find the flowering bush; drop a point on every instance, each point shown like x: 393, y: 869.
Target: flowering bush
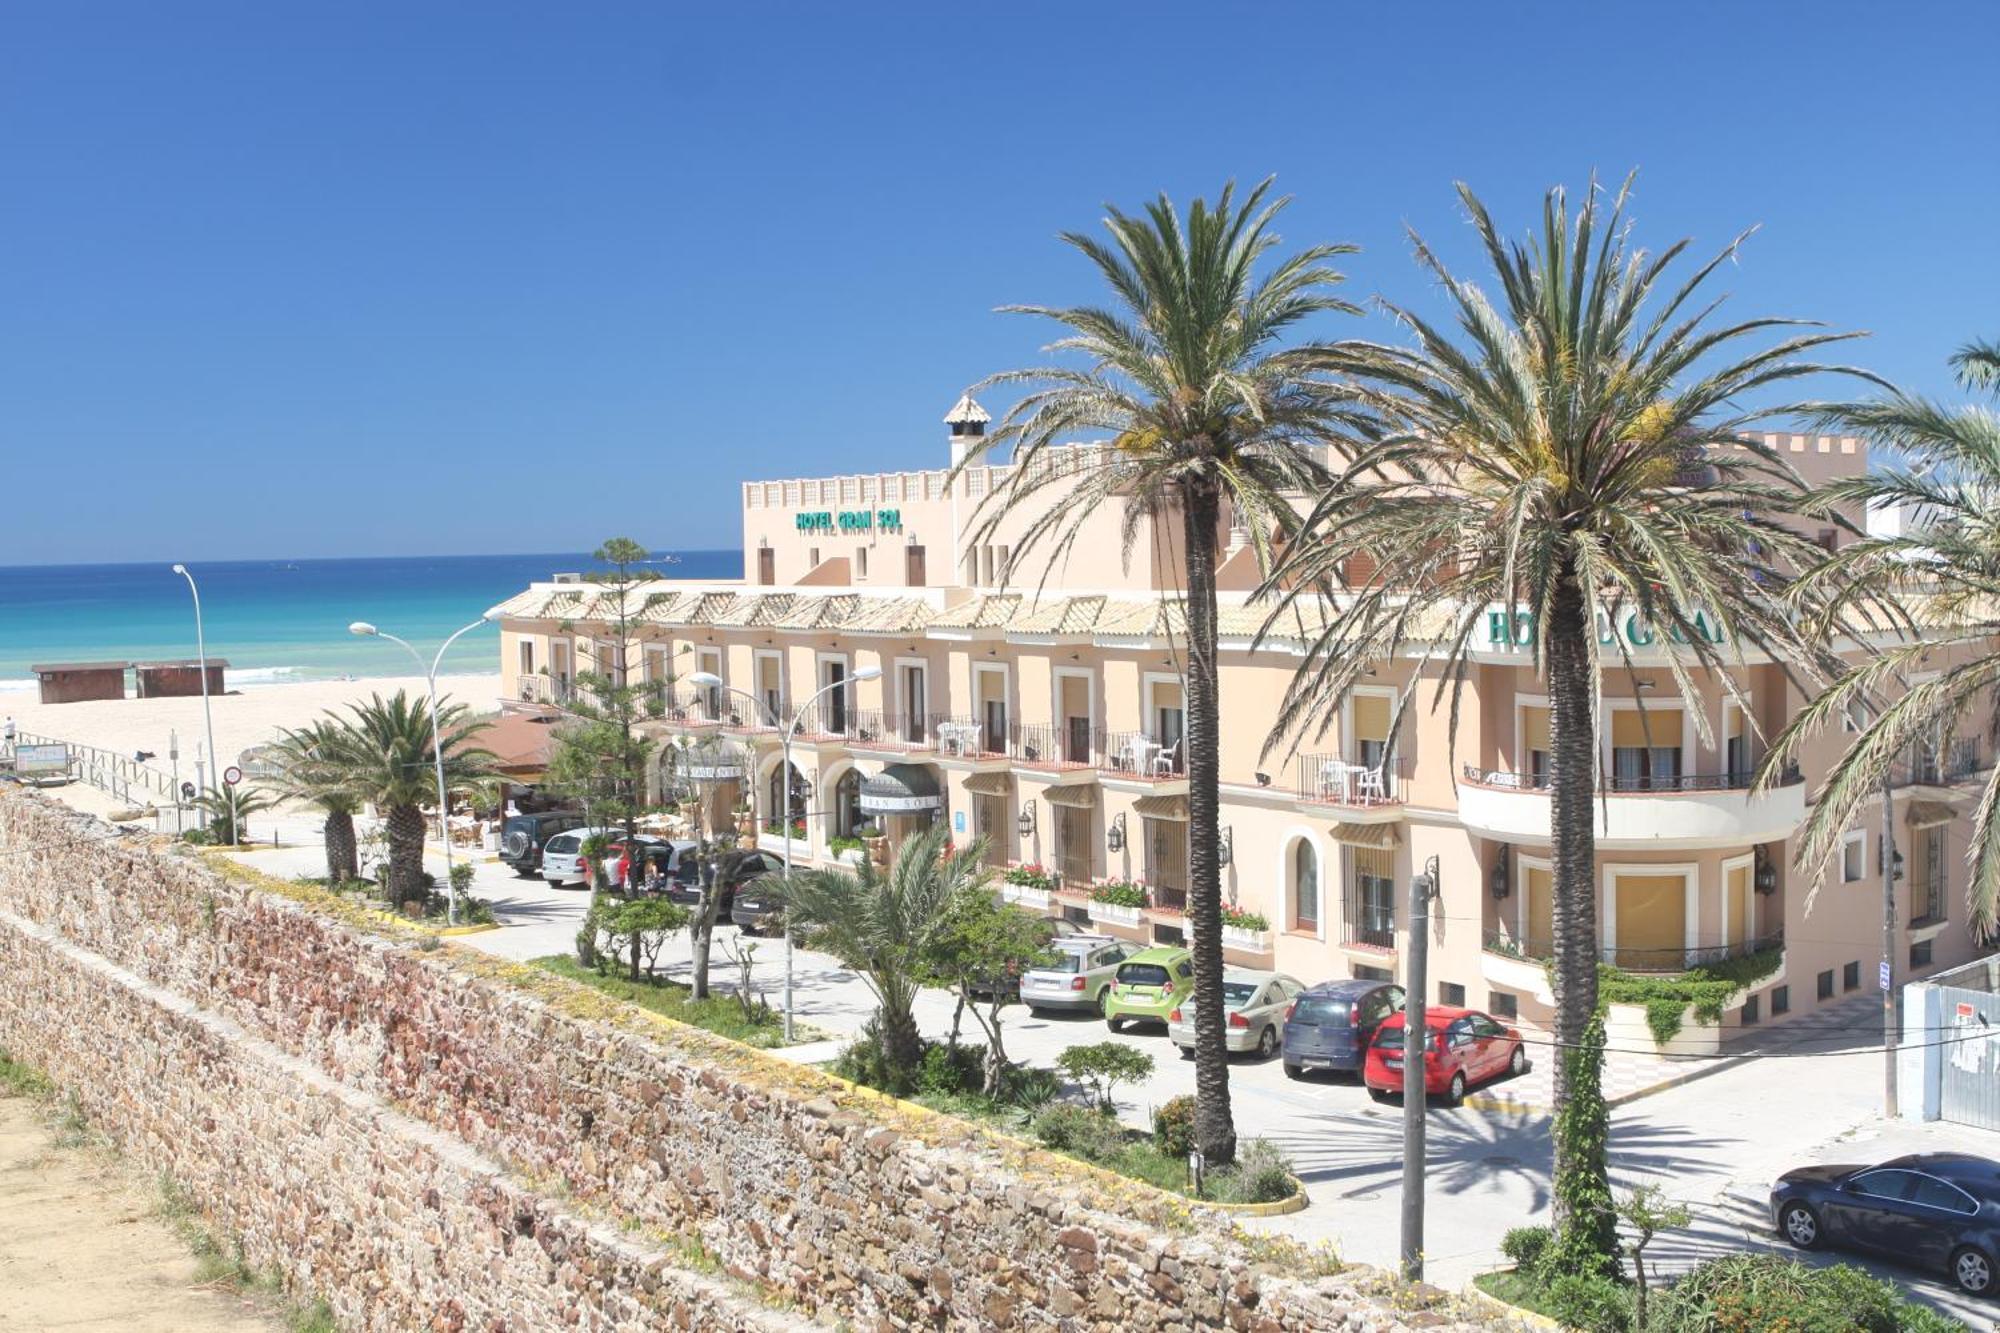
x: 778, y: 826
x: 1241, y: 920
x: 1119, y: 893
x: 1031, y: 877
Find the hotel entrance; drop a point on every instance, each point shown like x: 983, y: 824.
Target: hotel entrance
x: 991, y: 793
x: 1076, y: 832
x: 904, y: 799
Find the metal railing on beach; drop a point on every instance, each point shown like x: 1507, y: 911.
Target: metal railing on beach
x: 124, y: 777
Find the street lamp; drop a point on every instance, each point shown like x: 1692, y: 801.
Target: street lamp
x: 368, y: 631
x: 207, y: 717
x: 708, y: 680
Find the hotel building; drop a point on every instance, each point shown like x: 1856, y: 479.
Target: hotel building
x: 1045, y: 714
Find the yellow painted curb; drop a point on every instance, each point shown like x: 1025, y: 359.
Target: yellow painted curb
x: 1520, y: 1314
x: 1298, y: 1203
x: 1486, y: 1101
x: 417, y: 923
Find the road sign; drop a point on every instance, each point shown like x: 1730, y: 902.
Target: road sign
x: 232, y: 775
x: 32, y: 761
x: 1883, y: 975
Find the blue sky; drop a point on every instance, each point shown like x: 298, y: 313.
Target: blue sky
x: 354, y: 279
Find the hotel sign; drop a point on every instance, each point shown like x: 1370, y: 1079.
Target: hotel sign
x: 1503, y: 634
x: 853, y: 522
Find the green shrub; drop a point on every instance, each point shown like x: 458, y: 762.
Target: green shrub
x: 1591, y: 1302
x: 1524, y: 1247
x: 1088, y: 1134
x: 864, y: 1062
x: 1262, y: 1174
x: 1667, y: 998
x: 1173, y: 1127
x: 1766, y: 1291
x: 1032, y: 1088
x: 948, y: 1070
x: 1103, y: 1065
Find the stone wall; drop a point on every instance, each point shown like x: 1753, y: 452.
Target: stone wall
x: 429, y: 1138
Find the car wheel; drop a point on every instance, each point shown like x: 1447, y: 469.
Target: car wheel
x: 1115, y: 1024
x: 1800, y: 1225
x: 1973, y: 1271
x: 1456, y: 1092
x: 1294, y: 1071
x: 1187, y: 1052
x: 1379, y: 1094
x: 1037, y: 1011
x: 1103, y: 1000
x: 1267, y: 1045
x: 1518, y: 1064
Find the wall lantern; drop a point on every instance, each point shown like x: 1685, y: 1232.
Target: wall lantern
x: 1225, y: 851
x: 1116, y: 838
x: 1497, y: 881
x: 1766, y: 875
x: 1026, y: 820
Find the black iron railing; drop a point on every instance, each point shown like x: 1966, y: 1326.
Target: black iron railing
x: 1138, y: 754
x: 1631, y: 784
x: 1331, y: 779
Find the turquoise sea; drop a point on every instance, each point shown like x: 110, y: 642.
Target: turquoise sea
x: 278, y: 620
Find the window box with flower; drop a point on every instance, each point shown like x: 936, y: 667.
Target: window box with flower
x: 1028, y: 886
x: 1117, y: 902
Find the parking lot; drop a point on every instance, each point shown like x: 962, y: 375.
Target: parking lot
x: 1715, y: 1143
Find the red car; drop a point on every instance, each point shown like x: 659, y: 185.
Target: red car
x: 1466, y: 1047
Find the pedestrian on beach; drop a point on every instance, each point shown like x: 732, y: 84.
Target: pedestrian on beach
x: 7, y: 736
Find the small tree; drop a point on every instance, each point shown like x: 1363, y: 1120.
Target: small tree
x: 1102, y: 1067
x: 984, y: 944
x: 639, y: 929
x: 1647, y: 1212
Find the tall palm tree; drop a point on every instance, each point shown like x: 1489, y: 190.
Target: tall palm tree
x: 1188, y: 374
x: 1940, y: 575
x: 884, y: 923
x: 383, y: 754
x: 1574, y: 452
x: 306, y: 772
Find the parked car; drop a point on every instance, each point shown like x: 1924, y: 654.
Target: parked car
x: 1148, y: 986
x: 1939, y: 1211
x: 759, y: 903
x: 522, y: 837
x: 1331, y: 1024
x: 562, y: 857
x: 1464, y: 1048
x: 1078, y: 978
x: 1253, y: 1006
x: 686, y: 889
x: 652, y: 851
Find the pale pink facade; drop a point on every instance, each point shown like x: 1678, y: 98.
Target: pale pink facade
x: 1045, y: 721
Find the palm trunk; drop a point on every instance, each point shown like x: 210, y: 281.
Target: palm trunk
x: 902, y: 1044
x: 1573, y: 746
x: 342, y: 857
x: 1214, y: 1125
x: 405, y: 826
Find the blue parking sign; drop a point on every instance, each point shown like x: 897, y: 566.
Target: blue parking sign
x: 1884, y: 974
x: 958, y: 821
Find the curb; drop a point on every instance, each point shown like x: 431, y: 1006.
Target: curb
x: 1481, y: 1101
x: 1519, y: 1314
x: 1297, y: 1203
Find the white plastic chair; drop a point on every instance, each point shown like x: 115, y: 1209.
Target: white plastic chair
x: 1333, y: 779
x: 1136, y: 751
x: 1163, y: 762
x: 1368, y: 785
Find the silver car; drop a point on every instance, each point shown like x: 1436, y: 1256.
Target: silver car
x: 1078, y: 979
x: 1253, y: 1012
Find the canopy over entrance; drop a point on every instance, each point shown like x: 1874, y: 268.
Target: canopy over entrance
x: 901, y: 789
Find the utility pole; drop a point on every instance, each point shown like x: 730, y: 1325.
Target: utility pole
x: 1416, y: 1050
x: 1888, y: 973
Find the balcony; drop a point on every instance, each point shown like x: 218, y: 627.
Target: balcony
x: 1328, y: 779
x: 1521, y: 964
x: 1941, y: 766
x: 889, y: 733
x: 539, y: 687
x: 1685, y: 811
x: 687, y: 709
x: 1046, y: 745
x: 1135, y: 754
x: 964, y: 737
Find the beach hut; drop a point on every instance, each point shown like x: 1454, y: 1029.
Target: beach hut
x: 164, y: 680
x: 73, y: 682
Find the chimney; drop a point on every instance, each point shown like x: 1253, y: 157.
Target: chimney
x: 967, y: 420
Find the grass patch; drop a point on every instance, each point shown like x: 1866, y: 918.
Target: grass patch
x: 314, y: 1318
x: 1511, y: 1288
x: 721, y: 1015
x: 19, y: 1080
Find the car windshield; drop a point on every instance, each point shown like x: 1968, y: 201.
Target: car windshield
x: 1142, y: 974
x: 1236, y: 994
x: 1323, y: 1010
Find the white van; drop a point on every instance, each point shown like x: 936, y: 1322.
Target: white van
x: 562, y: 857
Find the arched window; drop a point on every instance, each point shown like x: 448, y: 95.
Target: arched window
x: 1305, y: 885
x: 847, y: 804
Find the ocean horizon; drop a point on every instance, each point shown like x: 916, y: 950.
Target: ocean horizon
x: 281, y: 620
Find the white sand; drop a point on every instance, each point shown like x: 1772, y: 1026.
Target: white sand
x: 244, y: 718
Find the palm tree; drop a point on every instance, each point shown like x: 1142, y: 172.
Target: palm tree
x: 383, y: 754
x: 1206, y: 408
x: 1941, y: 572
x: 1574, y: 453
x: 228, y: 810
x: 305, y: 772
x: 884, y: 923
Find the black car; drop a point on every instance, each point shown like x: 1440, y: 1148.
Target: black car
x: 684, y: 888
x: 1939, y: 1211
x: 1330, y: 1025
x: 759, y: 901
x: 522, y: 837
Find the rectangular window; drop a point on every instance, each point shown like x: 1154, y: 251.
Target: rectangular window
x: 1645, y: 749
x: 1534, y: 759
x: 1927, y: 876
x: 1781, y: 1000
x: 1503, y: 1004
x: 527, y: 657
x: 1826, y: 984
x: 1749, y: 1011
x: 1371, y: 898
x: 812, y: 557
x: 1362, y: 973
x: 1451, y: 994
x: 1850, y: 977
x: 1920, y: 954
x: 1163, y: 934
x: 1371, y: 714
x: 1853, y: 857
x: 861, y: 562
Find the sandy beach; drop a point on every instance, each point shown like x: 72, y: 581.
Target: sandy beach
x: 243, y: 718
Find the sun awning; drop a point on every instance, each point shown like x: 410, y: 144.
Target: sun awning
x: 1076, y: 795
x: 1382, y: 837
x: 990, y: 784
x: 709, y: 762
x: 900, y: 789
x: 1161, y: 807
x: 1924, y: 814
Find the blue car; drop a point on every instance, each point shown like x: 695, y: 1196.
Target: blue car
x: 1330, y: 1025
x: 1939, y: 1211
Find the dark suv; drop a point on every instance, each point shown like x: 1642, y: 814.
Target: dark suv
x: 1329, y: 1026
x: 522, y: 837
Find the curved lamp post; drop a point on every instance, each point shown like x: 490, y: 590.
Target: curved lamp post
x: 368, y: 631
x: 214, y: 776
x: 709, y: 680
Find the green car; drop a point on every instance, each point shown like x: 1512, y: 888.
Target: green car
x: 1149, y: 984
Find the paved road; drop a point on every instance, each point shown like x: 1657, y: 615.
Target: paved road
x: 1712, y: 1142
